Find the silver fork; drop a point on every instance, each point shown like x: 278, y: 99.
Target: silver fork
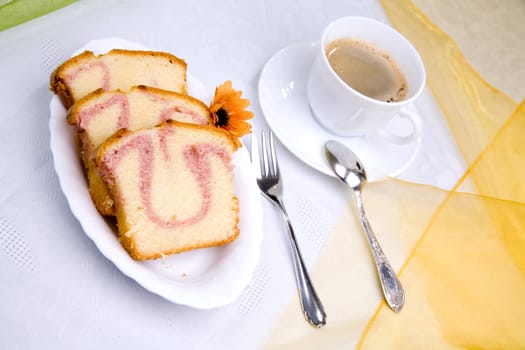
x: 270, y: 184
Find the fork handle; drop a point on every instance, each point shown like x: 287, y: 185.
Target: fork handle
x: 310, y: 303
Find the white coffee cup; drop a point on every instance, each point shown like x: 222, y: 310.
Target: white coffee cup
x: 344, y: 111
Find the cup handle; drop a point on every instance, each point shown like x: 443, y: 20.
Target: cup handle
x: 414, y: 119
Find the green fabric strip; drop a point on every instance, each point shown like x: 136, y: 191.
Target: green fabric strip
x: 14, y: 12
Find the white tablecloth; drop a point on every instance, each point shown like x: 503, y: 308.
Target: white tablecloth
x: 58, y: 291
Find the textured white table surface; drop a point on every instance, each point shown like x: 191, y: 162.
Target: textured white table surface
x: 58, y: 291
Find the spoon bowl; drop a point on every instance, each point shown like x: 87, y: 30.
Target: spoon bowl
x: 345, y: 164
x: 348, y: 168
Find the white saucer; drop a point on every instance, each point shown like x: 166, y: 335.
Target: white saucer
x: 283, y: 99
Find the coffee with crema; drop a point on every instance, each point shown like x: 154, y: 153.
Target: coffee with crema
x: 367, y: 69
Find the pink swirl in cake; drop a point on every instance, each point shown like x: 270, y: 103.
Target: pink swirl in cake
x: 86, y: 115
x: 197, y: 118
x: 88, y: 68
x: 172, y: 183
x: 196, y: 157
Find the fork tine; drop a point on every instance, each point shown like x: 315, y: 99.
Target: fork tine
x: 273, y: 157
x: 265, y: 164
x: 254, y: 155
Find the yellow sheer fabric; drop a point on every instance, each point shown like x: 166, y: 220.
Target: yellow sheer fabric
x: 461, y: 255
x: 467, y: 270
x: 466, y: 275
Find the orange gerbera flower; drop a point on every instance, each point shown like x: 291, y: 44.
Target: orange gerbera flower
x: 229, y: 111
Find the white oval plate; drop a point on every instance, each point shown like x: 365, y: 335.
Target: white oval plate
x: 202, y: 278
x: 284, y: 102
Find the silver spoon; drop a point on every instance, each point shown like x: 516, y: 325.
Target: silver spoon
x: 350, y: 170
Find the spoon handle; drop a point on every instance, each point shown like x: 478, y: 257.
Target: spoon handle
x: 392, y: 288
